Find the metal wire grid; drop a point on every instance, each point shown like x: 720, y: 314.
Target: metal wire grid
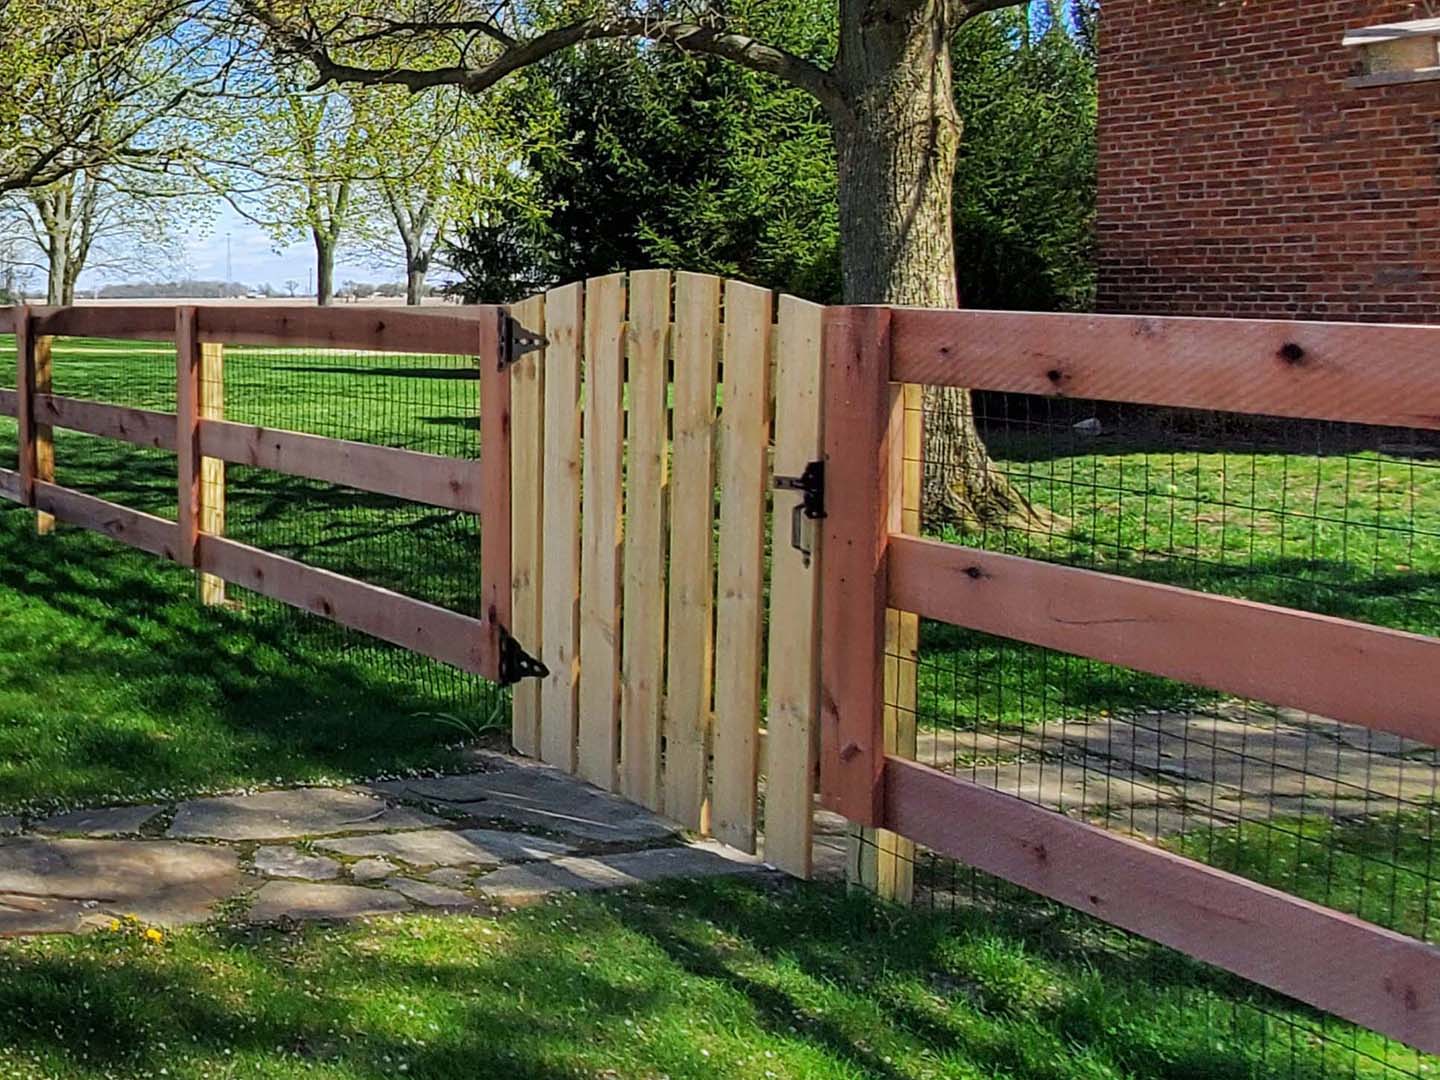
x: 426, y: 403
x: 1323, y: 517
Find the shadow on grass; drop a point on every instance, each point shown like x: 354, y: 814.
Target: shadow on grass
x: 117, y: 683
x: 686, y: 980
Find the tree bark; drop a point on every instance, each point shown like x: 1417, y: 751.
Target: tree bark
x: 897, y: 151
x: 324, y: 269
x: 415, y: 271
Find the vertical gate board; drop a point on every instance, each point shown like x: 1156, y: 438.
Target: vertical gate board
x: 559, y: 614
x: 212, y: 470
x: 601, y: 529
x: 794, y: 667
x: 187, y: 434
x: 692, y: 557
x: 643, y: 662
x: 745, y: 439
x: 527, y: 532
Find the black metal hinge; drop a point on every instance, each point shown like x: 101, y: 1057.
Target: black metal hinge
x: 811, y: 484
x: 516, y: 341
x: 516, y: 663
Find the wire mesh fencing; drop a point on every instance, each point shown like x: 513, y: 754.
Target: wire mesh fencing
x: 426, y: 403
x: 1338, y: 519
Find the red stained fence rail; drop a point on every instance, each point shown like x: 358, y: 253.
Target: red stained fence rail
x: 480, y: 487
x: 1380, y: 375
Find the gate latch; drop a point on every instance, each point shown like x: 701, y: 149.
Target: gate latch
x: 516, y: 341
x: 811, y: 484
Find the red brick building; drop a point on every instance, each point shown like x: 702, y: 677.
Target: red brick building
x: 1254, y: 163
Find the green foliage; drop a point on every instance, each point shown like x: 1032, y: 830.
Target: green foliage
x: 657, y: 158
x: 1025, y: 185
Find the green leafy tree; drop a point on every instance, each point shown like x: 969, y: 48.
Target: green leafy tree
x: 879, y: 70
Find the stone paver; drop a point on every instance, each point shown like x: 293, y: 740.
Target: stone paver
x: 288, y: 815
x: 464, y: 847
x: 536, y: 797
x: 368, y: 870
x: 282, y: 901
x: 360, y: 846
x: 429, y: 894
x: 110, y: 821
x: 452, y: 877
x: 286, y: 862
x: 518, y: 885
x: 54, y: 886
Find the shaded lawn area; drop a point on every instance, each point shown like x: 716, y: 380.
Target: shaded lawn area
x: 115, y: 685
x: 689, y: 980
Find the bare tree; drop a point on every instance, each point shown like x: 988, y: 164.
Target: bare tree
x: 888, y: 94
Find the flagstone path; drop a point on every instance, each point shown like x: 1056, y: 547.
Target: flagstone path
x: 511, y: 833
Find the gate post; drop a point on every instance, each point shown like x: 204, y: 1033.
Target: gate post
x: 864, y: 467
x: 495, y: 358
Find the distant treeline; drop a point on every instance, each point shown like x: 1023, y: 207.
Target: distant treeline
x: 188, y: 289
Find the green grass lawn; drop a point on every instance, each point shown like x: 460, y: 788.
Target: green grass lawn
x: 115, y: 685
x: 1352, y: 531
x: 685, y: 981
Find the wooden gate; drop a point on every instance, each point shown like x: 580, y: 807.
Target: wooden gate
x: 653, y: 553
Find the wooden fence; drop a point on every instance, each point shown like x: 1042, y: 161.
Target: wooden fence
x: 874, y: 576
x: 203, y: 441
x: 653, y: 555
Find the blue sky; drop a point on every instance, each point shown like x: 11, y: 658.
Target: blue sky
x: 255, y: 259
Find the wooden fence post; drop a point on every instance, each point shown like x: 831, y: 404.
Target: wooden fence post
x: 495, y: 501
x: 212, y: 470
x: 187, y: 435
x: 34, y: 375
x: 864, y: 450
x: 527, y: 403
x: 880, y: 861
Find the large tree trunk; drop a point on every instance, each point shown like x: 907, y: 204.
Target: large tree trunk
x: 415, y: 271
x: 324, y: 269
x: 897, y: 153
x: 55, y: 275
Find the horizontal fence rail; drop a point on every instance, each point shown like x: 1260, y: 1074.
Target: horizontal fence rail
x: 1383, y: 679
x: 1365, y: 374
x: 202, y: 441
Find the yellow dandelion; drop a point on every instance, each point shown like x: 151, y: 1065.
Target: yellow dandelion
x: 153, y: 934
x: 114, y: 924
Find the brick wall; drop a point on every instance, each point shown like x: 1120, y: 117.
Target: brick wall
x: 1239, y: 175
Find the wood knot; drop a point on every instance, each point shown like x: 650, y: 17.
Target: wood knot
x: 849, y: 750
x: 1292, y: 353
x: 1055, y: 375
x: 974, y: 573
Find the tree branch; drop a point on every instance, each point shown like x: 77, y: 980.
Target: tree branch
x: 689, y: 37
